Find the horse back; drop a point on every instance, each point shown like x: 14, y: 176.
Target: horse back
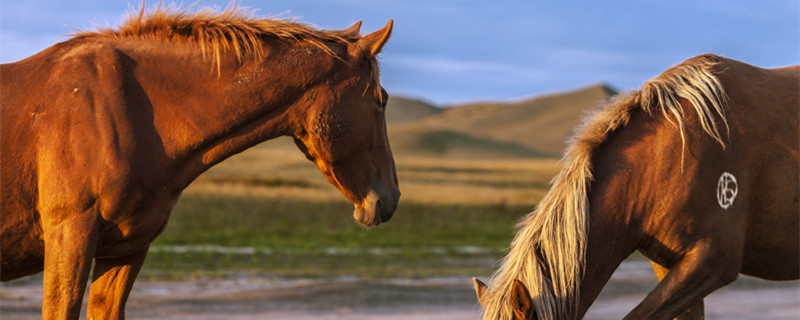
x: 674, y: 190
x: 763, y: 148
x: 740, y: 197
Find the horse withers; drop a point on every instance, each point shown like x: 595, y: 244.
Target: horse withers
x: 102, y: 132
x: 698, y: 171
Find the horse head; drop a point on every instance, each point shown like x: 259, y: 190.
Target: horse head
x: 344, y: 130
x: 521, y: 302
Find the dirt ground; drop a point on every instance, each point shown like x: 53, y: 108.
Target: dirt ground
x: 247, y: 297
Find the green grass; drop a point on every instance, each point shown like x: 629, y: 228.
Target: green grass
x: 303, y: 224
x: 171, y: 266
x: 420, y: 240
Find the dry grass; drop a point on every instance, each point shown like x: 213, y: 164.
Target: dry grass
x: 475, y: 182
x: 276, y: 170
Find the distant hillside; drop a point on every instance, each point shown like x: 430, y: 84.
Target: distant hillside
x: 400, y: 109
x: 538, y: 126
x: 451, y: 144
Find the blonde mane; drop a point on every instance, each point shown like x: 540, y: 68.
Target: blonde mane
x: 216, y: 32
x: 548, y: 251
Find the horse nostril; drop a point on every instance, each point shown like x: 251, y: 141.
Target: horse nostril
x: 382, y: 211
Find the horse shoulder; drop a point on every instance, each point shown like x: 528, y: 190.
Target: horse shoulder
x: 84, y: 136
x: 44, y: 164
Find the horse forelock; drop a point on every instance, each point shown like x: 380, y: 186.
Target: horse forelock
x: 374, y: 84
x: 234, y: 29
x: 548, y: 251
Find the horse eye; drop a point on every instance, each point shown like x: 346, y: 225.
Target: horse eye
x: 384, y: 99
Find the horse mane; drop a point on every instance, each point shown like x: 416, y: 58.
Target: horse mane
x: 548, y: 251
x: 217, y: 31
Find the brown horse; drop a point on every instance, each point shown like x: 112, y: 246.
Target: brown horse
x: 101, y: 133
x: 698, y: 171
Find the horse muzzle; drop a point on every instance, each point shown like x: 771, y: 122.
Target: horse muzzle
x: 376, y: 208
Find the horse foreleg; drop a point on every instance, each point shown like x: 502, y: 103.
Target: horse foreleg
x: 698, y: 273
x: 111, y: 284
x: 696, y: 312
x: 69, y: 247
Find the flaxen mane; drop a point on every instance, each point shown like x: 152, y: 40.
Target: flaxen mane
x: 548, y: 251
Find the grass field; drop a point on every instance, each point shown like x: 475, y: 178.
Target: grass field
x: 269, y: 210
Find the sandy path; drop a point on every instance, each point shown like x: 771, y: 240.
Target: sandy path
x: 246, y: 298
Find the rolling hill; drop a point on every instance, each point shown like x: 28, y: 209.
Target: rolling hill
x: 401, y: 109
x: 533, y: 127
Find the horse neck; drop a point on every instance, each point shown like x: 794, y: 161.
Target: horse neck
x: 607, y: 245
x: 203, y: 111
x: 620, y: 195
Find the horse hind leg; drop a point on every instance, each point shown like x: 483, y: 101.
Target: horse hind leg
x: 696, y: 312
x: 702, y: 270
x: 112, y: 282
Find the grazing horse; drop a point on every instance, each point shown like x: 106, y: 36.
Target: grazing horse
x: 698, y: 171
x: 102, y: 132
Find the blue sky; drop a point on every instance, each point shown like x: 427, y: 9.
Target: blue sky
x: 467, y: 50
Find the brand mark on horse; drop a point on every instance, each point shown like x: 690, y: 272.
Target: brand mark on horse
x: 727, y: 189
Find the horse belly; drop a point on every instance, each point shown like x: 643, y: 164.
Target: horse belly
x: 775, y: 264
x: 772, y: 246
x: 775, y: 254
x: 21, y: 244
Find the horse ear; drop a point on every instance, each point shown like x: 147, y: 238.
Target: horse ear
x: 353, y: 30
x: 480, y: 289
x: 371, y: 44
x: 521, y: 299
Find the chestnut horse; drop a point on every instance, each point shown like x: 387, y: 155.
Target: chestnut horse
x: 698, y: 171
x: 102, y: 132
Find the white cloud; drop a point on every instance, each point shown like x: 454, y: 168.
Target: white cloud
x: 591, y: 57
x: 451, y: 66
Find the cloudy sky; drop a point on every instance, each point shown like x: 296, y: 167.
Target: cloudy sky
x: 453, y: 51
